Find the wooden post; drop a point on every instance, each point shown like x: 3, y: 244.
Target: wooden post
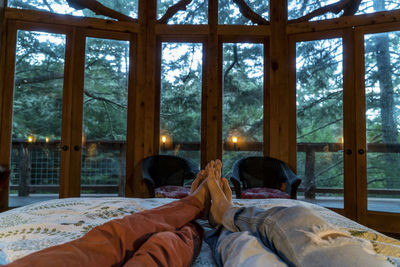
x: 24, y: 170
x: 279, y: 83
x: 212, y: 98
x: 122, y: 172
x: 144, y: 118
x: 309, y: 181
x: 4, y: 193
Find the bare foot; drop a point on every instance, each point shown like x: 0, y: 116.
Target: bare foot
x: 221, y: 197
x: 200, y: 177
x: 199, y: 190
x: 201, y: 193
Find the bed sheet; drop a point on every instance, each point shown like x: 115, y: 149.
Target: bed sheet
x: 34, y: 227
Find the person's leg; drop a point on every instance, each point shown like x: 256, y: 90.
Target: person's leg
x: 170, y: 248
x: 296, y: 234
x: 116, y: 241
x: 240, y: 249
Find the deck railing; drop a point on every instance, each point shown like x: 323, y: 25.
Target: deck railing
x: 27, y: 177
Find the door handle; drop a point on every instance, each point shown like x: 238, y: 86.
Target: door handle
x: 361, y: 151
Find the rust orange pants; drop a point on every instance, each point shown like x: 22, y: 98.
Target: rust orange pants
x: 164, y: 236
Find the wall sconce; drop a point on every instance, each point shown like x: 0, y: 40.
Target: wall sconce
x: 341, y: 144
x: 234, y: 141
x: 163, y: 141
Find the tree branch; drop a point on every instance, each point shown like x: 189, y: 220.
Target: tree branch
x: 99, y: 9
x: 39, y: 79
x: 103, y: 99
x: 349, y: 8
x: 234, y: 62
x: 249, y: 13
x: 319, y: 128
x: 172, y: 10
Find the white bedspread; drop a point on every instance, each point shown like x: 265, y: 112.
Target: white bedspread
x: 31, y: 228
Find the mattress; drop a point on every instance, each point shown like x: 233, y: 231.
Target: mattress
x: 37, y: 226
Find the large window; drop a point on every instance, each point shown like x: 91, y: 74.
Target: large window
x: 319, y: 102
x: 180, y: 100
x: 37, y: 115
x: 382, y: 91
x: 242, y: 105
x: 105, y: 116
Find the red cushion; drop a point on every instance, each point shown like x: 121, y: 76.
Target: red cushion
x: 263, y: 192
x: 172, y: 191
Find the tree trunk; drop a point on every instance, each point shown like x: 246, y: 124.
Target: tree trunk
x: 389, y: 124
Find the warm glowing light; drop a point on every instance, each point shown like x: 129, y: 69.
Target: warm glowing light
x: 47, y: 139
x: 342, y: 140
x: 83, y: 139
x: 30, y: 139
x: 163, y: 139
x: 234, y: 139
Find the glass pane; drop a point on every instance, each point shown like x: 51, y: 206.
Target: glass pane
x: 37, y: 115
x: 297, y: 9
x: 229, y: 12
x: 196, y: 12
x: 371, y: 6
x: 105, y: 116
x: 243, y: 105
x: 382, y: 92
x: 319, y: 103
x: 127, y: 7
x: 180, y: 106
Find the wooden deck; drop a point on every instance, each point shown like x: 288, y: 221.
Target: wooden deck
x: 375, y: 204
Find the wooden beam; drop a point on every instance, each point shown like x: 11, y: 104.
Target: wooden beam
x: 181, y: 30
x: 344, y: 22
x: 144, y: 118
x: 383, y: 221
x: 4, y: 193
x: 7, y: 93
x: 212, y: 92
x: 244, y: 30
x: 360, y: 128
x: 349, y: 120
x: 51, y: 18
x: 279, y: 85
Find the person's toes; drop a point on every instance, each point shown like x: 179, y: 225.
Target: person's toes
x: 227, y: 189
x: 199, y: 179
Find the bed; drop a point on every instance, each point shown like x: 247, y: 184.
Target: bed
x: 31, y: 228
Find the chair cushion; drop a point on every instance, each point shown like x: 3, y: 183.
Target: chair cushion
x: 171, y: 191
x: 263, y: 192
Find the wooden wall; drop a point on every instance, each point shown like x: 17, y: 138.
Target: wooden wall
x: 279, y: 89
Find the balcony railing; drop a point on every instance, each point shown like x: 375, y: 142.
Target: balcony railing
x: 35, y: 167
x: 27, y: 177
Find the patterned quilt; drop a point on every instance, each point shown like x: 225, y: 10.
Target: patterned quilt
x: 31, y: 228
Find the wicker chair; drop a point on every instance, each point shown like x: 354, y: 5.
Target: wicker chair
x: 264, y: 172
x: 166, y: 170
